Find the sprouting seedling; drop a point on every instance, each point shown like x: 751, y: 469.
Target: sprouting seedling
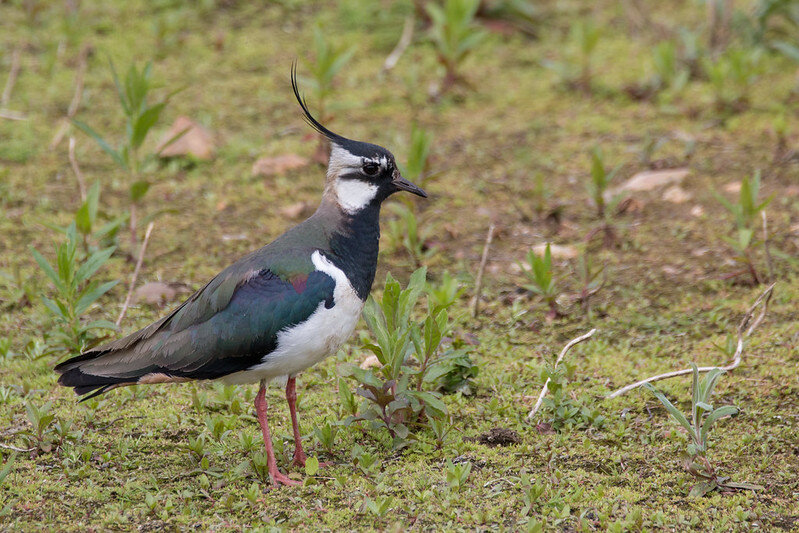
x: 586, y: 35
x: 328, y: 61
x: 75, y: 291
x: 405, y: 230
x: 140, y: 117
x: 395, y: 397
x: 600, y: 181
x: 539, y: 273
x: 416, y: 168
x: 591, y: 280
x: 731, y: 76
x: 698, y: 424
x: 455, y: 36
x: 87, y: 222
x: 458, y: 474
x: 669, y: 73
x: 575, y: 69
x: 747, y: 212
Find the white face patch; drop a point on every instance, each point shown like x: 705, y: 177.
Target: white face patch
x: 341, y: 160
x: 354, y: 194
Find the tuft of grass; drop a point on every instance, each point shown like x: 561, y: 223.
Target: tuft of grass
x: 540, y: 274
x: 141, y: 116
x: 703, y: 417
x: 747, y: 212
x: 455, y: 36
x: 75, y: 293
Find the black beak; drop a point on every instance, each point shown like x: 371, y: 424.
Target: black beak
x: 405, y: 185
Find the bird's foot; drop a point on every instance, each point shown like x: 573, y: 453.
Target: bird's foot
x: 279, y: 478
x: 300, y: 458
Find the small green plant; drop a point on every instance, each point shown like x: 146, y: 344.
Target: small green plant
x: 454, y: 371
x: 670, y: 75
x: 775, y: 24
x: 731, y: 77
x: 326, y: 435
x: 140, y: 118
x: 540, y: 274
x: 458, y: 474
x: 86, y: 220
x: 380, y: 506
x: 394, y: 395
x: 416, y: 168
x: 455, y: 35
x: 561, y: 410
x: 598, y: 186
x: 41, y: 437
x: 8, y: 467
x: 328, y: 61
x: 446, y: 292
x: 575, y: 69
x: 75, y: 292
x: 591, y: 280
x: 405, y: 230
x: 747, y: 212
x: 703, y: 417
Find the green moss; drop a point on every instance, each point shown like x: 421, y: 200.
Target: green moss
x: 132, y: 446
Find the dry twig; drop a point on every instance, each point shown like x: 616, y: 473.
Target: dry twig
x: 73, y: 161
x: 76, y: 97
x: 135, y: 273
x: 11, y: 115
x: 769, y: 261
x: 12, y: 78
x: 478, y: 284
x: 744, y: 330
x: 563, y: 352
x: 15, y: 449
x: 402, y: 44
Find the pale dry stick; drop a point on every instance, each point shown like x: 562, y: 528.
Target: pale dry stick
x: 769, y: 261
x: 478, y: 283
x: 402, y: 44
x: 764, y: 297
x: 11, y: 115
x: 76, y: 97
x: 73, y: 161
x: 15, y: 449
x: 563, y: 352
x: 135, y: 273
x: 12, y: 78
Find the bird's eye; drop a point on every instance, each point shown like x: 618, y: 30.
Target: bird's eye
x: 370, y: 168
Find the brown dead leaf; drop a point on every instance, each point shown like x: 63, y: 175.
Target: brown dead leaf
x: 197, y: 142
x: 296, y: 210
x: 733, y: 187
x: 275, y: 166
x: 652, y: 179
x: 371, y: 362
x: 676, y: 195
x: 159, y: 293
x: 558, y: 251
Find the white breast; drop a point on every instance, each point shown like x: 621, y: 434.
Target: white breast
x: 321, y: 335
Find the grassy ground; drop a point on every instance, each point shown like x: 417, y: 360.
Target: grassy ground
x: 127, y: 463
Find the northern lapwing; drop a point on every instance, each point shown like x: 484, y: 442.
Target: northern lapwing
x: 276, y: 311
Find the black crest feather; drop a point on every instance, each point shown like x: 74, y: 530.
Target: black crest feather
x: 309, y: 118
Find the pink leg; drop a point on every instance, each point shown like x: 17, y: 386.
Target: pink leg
x: 260, y: 409
x: 291, y: 398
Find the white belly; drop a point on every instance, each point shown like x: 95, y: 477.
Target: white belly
x: 320, y: 336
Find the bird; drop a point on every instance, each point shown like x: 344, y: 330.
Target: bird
x: 276, y: 311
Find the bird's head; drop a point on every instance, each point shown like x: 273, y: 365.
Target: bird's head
x: 359, y: 174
